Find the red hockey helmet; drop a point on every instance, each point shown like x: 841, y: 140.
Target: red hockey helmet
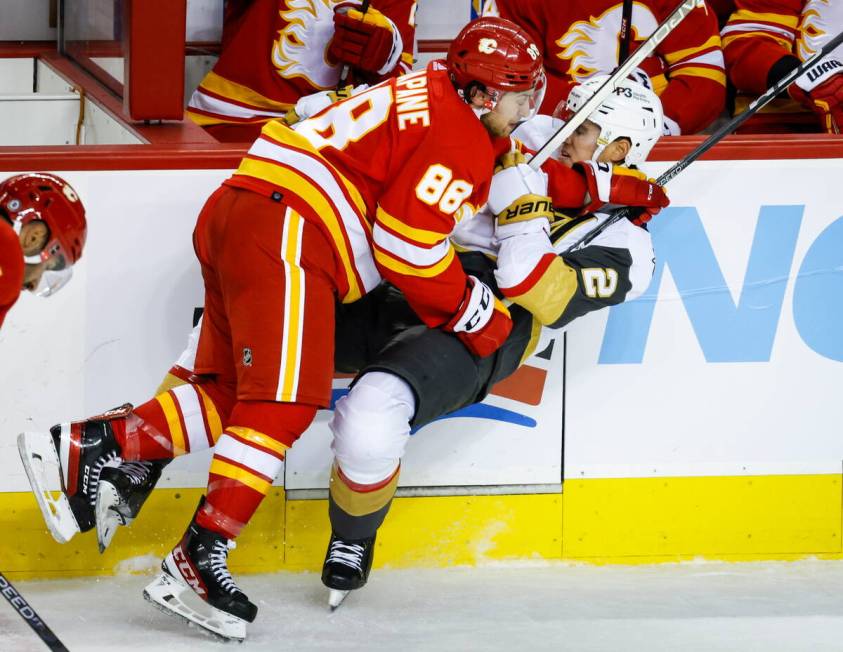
x: 496, y: 56
x: 25, y: 198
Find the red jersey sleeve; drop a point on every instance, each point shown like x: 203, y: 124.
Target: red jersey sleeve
x: 696, y: 77
x: 439, y: 185
x: 757, y: 35
x: 11, y: 269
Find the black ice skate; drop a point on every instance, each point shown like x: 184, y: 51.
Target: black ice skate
x: 68, y: 462
x: 346, y: 568
x: 121, y: 493
x: 195, y: 585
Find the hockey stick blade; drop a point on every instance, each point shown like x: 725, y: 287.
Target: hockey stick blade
x: 762, y: 100
x: 28, y: 614
x: 621, y: 73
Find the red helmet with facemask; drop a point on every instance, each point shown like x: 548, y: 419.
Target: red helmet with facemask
x: 25, y: 198
x: 496, y: 56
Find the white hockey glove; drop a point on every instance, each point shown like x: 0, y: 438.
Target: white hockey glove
x: 512, y: 179
x: 309, y: 105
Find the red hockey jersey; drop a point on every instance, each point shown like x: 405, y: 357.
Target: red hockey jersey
x: 11, y: 268
x: 580, y: 39
x: 274, y: 52
x: 387, y: 174
x: 760, y: 32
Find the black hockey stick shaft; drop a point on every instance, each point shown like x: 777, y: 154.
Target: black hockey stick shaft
x: 762, y: 100
x: 626, y: 28
x: 364, y: 7
x: 643, y: 51
x: 28, y: 614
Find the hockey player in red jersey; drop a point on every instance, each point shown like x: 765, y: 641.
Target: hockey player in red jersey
x: 581, y: 39
x: 275, y: 52
x: 369, y: 189
x: 42, y: 233
x: 764, y: 40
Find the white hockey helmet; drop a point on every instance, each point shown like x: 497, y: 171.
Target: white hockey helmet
x: 632, y: 110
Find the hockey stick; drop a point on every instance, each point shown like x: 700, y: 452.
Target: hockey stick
x: 621, y: 73
x: 769, y: 95
x: 364, y: 7
x: 624, y: 37
x: 28, y: 614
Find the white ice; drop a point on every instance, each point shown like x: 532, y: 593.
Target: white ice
x: 684, y: 607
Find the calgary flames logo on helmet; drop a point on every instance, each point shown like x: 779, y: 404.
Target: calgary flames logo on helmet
x: 591, y: 46
x: 299, y: 50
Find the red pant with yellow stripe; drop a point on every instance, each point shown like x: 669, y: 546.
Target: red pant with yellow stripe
x: 265, y: 357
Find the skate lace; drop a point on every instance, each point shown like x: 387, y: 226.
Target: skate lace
x: 348, y: 554
x: 137, y: 472
x: 96, y: 471
x: 219, y: 567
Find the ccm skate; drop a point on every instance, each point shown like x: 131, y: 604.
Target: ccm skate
x: 346, y: 568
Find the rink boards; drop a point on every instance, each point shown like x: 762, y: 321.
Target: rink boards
x: 702, y: 419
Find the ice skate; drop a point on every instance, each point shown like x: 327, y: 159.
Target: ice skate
x: 346, y: 568
x: 121, y: 493
x: 64, y: 467
x: 196, y: 585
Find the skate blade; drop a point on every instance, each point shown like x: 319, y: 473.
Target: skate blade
x: 42, y: 466
x: 176, y: 598
x: 336, y: 598
x: 108, y: 519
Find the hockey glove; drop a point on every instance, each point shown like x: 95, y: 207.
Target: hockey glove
x: 369, y: 42
x: 482, y: 322
x: 513, y: 178
x: 527, y: 214
x: 309, y: 105
x: 613, y: 184
x: 820, y: 89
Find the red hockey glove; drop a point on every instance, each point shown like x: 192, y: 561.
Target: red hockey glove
x: 613, y: 184
x: 481, y: 322
x: 821, y: 90
x: 369, y: 42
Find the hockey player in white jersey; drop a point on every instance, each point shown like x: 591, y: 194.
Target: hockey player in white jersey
x: 424, y: 375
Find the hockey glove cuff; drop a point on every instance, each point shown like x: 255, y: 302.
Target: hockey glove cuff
x: 482, y: 323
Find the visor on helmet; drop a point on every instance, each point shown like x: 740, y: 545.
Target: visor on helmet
x: 515, y: 105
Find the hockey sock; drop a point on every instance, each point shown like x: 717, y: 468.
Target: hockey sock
x: 247, y: 458
x: 358, y: 510
x: 185, y: 419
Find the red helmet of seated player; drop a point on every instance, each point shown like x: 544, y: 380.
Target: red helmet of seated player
x: 39, y: 196
x: 495, y: 56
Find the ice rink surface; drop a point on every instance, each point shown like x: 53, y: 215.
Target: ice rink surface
x: 685, y: 607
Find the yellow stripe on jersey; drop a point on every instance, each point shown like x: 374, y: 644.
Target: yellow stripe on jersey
x: 718, y: 76
x: 315, y: 198
x: 755, y: 17
x: 251, y: 480
x: 401, y: 267
x: 171, y: 413
x: 214, y: 421
x: 294, y: 292
x: 411, y: 233
x: 239, y: 93
x: 259, y: 438
x: 551, y: 294
x: 283, y: 134
x: 673, y: 57
x: 785, y: 43
x: 407, y: 58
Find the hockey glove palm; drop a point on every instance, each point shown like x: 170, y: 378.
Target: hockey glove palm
x: 613, y: 184
x: 482, y: 323
x: 820, y: 89
x: 369, y: 42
